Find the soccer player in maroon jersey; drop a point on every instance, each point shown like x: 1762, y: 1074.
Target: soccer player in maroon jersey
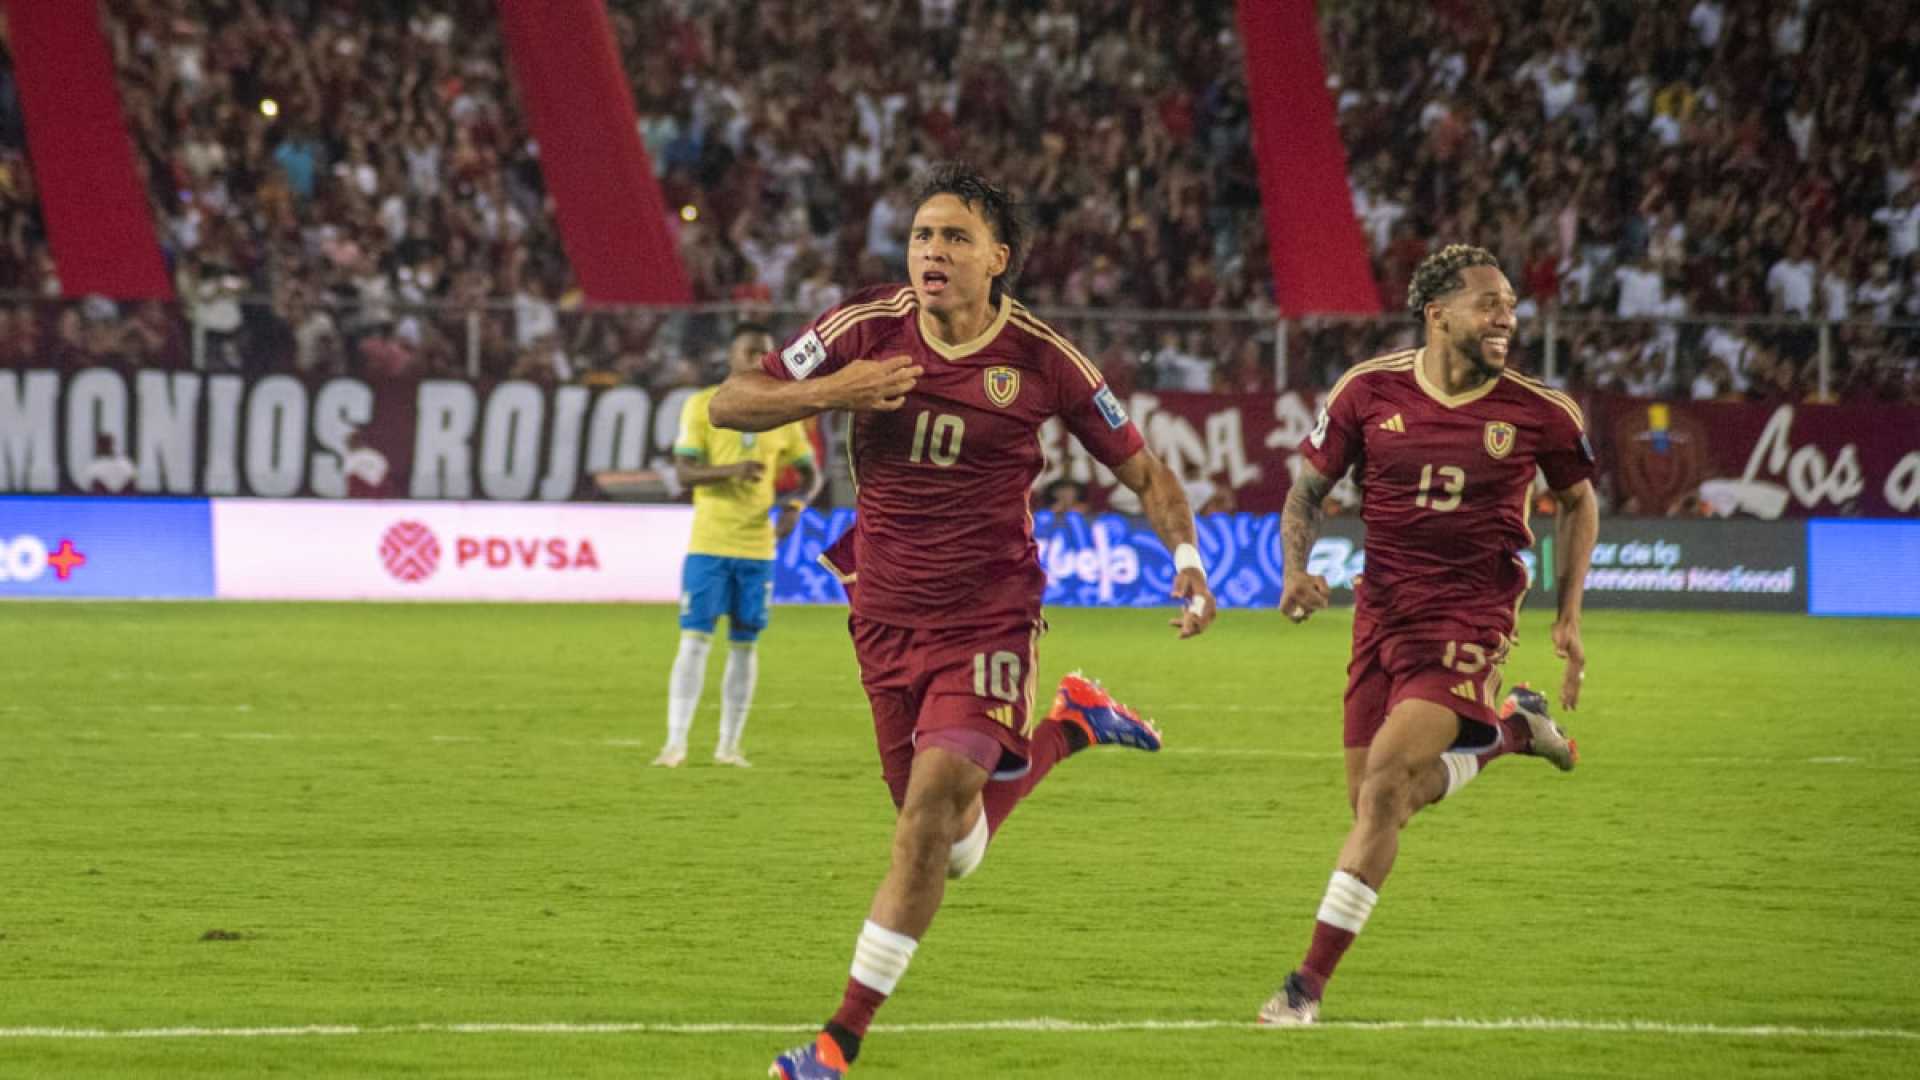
x: 1444, y: 440
x: 949, y: 379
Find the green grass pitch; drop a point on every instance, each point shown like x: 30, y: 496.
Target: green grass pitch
x: 400, y: 819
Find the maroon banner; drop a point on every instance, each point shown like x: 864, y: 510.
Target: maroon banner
x: 612, y: 216
x: 108, y: 431
x: 1318, y: 251
x: 1756, y: 459
x: 99, y: 224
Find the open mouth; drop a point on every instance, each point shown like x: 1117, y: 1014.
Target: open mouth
x: 934, y: 282
x: 1496, y: 344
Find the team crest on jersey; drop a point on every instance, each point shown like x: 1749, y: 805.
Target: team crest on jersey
x: 1003, y: 385
x: 1500, y: 438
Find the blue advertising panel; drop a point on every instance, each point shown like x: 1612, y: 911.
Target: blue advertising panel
x: 105, y: 547
x: 1859, y: 567
x: 1104, y: 561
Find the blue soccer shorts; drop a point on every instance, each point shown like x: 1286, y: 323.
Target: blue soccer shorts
x: 740, y: 589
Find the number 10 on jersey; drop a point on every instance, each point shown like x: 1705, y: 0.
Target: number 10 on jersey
x: 937, y: 438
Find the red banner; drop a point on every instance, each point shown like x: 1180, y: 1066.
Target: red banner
x: 106, y: 431
x: 98, y: 221
x: 612, y: 215
x: 1659, y: 459
x: 1318, y: 252
x: 1755, y: 459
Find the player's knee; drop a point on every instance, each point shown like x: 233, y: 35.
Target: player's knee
x: 969, y: 851
x: 924, y: 833
x: 1383, y: 795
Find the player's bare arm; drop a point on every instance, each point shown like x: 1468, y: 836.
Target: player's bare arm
x: 756, y: 401
x: 811, y: 481
x: 1302, y: 594
x: 1165, y: 504
x: 1575, y: 528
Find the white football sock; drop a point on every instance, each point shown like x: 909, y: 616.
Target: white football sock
x: 1348, y: 902
x: 1461, y: 769
x: 969, y: 851
x: 880, y: 957
x: 736, y: 693
x: 683, y: 687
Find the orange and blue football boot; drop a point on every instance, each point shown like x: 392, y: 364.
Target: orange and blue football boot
x: 1544, y: 738
x: 820, y: 1059
x: 1086, y: 705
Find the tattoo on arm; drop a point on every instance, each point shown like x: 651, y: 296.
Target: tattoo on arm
x: 1300, y: 521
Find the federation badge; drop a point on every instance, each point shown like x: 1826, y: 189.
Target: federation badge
x: 1110, y: 407
x: 1003, y: 385
x: 1499, y: 438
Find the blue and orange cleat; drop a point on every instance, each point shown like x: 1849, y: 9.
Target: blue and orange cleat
x: 820, y: 1059
x: 1086, y: 705
x: 1544, y: 737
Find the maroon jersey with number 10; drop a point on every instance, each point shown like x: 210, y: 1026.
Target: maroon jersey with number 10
x: 1446, y: 488
x: 943, y: 536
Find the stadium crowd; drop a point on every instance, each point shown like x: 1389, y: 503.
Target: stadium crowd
x: 365, y: 168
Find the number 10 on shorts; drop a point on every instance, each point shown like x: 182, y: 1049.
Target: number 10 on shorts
x: 997, y: 676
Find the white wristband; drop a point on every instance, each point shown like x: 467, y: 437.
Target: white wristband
x: 1187, y: 557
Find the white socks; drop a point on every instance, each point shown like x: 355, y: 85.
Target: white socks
x: 736, y: 694
x: 969, y: 851
x: 684, y: 685
x: 880, y: 957
x: 1348, y: 902
x: 1461, y: 769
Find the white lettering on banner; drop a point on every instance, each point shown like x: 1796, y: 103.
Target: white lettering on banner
x: 1104, y: 565
x: 510, y: 440
x: 342, y: 407
x: 276, y: 436
x: 1903, y: 484
x: 617, y: 434
x: 1808, y: 475
x: 223, y: 434
x: 1227, y: 449
x: 96, y: 414
x: 443, y: 429
x: 1294, y: 417
x: 23, y: 558
x: 169, y: 412
x: 1338, y: 560
x: 28, y: 461
x: 563, y: 463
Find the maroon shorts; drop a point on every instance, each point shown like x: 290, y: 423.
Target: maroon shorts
x: 1388, y: 668
x: 967, y: 690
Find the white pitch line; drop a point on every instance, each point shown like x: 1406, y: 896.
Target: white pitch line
x: 1042, y: 1025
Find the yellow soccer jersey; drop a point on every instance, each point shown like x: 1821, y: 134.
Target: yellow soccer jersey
x: 730, y: 517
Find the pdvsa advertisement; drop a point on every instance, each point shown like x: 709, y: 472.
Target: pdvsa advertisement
x: 281, y: 549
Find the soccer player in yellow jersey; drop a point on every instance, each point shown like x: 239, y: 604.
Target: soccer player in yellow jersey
x: 729, y: 567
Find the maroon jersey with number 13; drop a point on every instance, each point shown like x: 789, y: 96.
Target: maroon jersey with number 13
x: 1446, y: 486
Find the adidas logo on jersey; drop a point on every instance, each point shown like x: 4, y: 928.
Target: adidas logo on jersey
x: 1394, y: 424
x: 1465, y: 690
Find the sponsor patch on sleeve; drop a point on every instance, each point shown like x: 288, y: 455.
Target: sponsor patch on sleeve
x: 804, y: 355
x: 1319, y: 433
x: 1586, y: 449
x: 1110, y: 406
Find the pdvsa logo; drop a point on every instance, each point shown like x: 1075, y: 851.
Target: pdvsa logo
x: 525, y: 552
x: 410, y: 551
x: 25, y: 558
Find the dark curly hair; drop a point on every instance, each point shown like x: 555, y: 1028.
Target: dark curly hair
x: 990, y: 201
x: 1441, y: 273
